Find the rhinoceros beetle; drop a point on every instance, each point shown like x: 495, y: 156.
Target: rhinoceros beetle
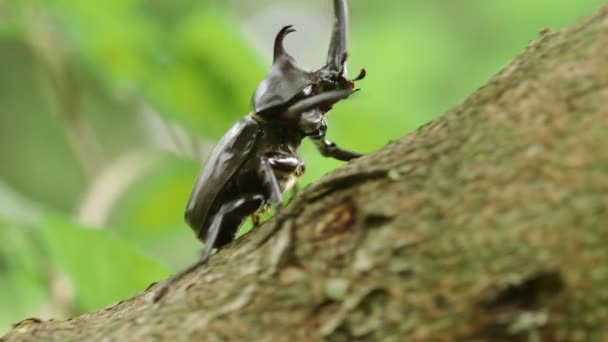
x: 257, y: 159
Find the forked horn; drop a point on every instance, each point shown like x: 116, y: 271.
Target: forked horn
x: 336, y: 56
x: 279, y: 49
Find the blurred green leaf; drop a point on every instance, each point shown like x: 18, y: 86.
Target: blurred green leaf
x: 23, y: 286
x: 151, y: 212
x: 16, y: 208
x: 200, y: 74
x: 143, y: 212
x: 113, y: 38
x: 103, y: 268
x: 209, y: 74
x: 10, y: 28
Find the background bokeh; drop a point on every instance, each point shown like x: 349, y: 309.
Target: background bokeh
x: 108, y: 108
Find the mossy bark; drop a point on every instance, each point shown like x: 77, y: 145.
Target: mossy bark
x: 489, y: 223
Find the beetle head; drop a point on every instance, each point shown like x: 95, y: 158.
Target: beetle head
x: 333, y: 76
x: 286, y: 83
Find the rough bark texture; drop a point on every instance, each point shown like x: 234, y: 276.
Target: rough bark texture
x: 489, y: 223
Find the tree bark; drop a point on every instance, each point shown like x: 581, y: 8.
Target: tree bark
x: 489, y: 223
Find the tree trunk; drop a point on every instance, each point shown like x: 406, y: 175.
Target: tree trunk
x: 489, y: 223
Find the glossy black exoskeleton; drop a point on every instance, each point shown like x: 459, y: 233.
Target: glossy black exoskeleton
x: 257, y: 159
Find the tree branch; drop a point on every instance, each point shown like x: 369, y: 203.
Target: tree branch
x: 488, y: 223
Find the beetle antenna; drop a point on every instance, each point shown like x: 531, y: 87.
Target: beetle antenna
x: 279, y: 49
x: 336, y: 57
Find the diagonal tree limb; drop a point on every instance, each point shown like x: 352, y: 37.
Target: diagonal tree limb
x: 489, y: 223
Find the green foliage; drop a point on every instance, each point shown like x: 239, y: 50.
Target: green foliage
x: 21, y: 272
x: 85, y: 86
x: 104, y: 269
x: 151, y: 212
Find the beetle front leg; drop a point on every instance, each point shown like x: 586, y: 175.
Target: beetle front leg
x: 255, y: 219
x: 240, y: 207
x: 282, y: 163
x: 330, y: 149
x: 323, y: 100
x: 245, y: 204
x: 270, y: 181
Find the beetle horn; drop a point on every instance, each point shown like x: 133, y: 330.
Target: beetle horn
x: 336, y: 57
x: 279, y: 49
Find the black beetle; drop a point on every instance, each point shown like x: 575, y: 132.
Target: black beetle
x: 257, y: 159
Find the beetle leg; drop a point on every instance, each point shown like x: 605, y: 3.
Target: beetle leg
x: 245, y: 203
x: 284, y: 162
x: 301, y: 168
x: 270, y: 181
x: 281, y: 162
x: 330, y: 149
x: 255, y: 219
x: 326, y: 99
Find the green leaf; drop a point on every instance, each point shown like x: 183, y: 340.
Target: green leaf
x: 23, y: 286
x: 155, y: 203
x: 151, y: 212
x: 102, y: 267
x: 209, y: 76
x: 17, y: 208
